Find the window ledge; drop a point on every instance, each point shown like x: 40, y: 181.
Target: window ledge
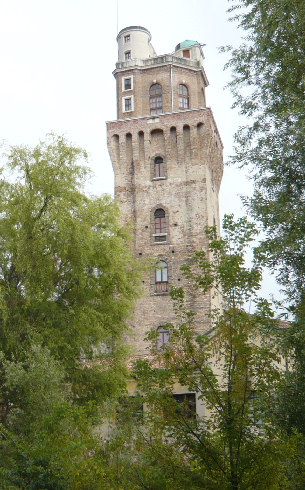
x: 164, y: 293
x: 159, y: 178
x: 159, y: 234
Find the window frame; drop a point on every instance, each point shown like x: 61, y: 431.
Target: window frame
x: 161, y: 277
x: 124, y: 99
x: 127, y: 38
x: 158, y: 168
x: 155, y: 99
x: 183, y: 97
x: 127, y: 55
x: 124, y: 89
x: 159, y: 222
x: 188, y: 401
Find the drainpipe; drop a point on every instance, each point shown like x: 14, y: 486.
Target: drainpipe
x: 172, y: 94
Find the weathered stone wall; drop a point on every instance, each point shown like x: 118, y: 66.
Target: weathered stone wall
x: 190, y: 145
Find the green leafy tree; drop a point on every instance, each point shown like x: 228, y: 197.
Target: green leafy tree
x: 68, y: 281
x: 67, y: 275
x: 234, y: 370
x: 46, y: 440
x: 269, y: 87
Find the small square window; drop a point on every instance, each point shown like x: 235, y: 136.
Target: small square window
x: 128, y: 105
x: 127, y: 38
x: 127, y: 55
x: 127, y: 83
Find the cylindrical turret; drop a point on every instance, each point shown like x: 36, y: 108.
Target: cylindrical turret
x: 134, y: 43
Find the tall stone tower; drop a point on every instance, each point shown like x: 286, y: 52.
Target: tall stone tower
x: 167, y: 158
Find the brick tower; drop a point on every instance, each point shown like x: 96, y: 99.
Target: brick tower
x: 166, y: 154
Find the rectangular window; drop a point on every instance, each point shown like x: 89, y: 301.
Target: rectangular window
x: 127, y: 38
x: 127, y: 55
x: 186, y: 405
x: 127, y: 105
x: 127, y: 83
x: 186, y: 53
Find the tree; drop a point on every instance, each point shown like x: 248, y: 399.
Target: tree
x: 268, y: 86
x: 68, y: 281
x: 234, y: 369
x: 67, y: 276
x: 46, y: 441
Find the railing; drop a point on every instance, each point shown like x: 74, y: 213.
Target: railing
x: 161, y: 287
x: 158, y: 60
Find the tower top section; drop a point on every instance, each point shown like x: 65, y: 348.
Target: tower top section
x: 134, y: 43
x: 151, y: 84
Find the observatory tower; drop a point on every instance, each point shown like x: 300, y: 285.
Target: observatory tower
x: 166, y: 154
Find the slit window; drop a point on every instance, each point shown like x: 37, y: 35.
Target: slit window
x: 155, y: 98
x: 158, y: 167
x: 163, y: 337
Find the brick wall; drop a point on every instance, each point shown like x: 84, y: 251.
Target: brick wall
x: 190, y: 146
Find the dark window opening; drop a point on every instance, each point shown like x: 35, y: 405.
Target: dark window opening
x: 158, y: 167
x: 183, y: 96
x: 186, y: 53
x: 186, y: 405
x: 127, y: 38
x: 155, y: 98
x: 127, y: 55
x: 130, y: 408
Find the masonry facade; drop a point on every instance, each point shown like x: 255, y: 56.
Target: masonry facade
x: 167, y: 158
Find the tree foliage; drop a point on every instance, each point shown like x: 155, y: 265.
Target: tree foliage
x: 269, y: 88
x: 234, y: 369
x: 46, y: 440
x: 67, y: 276
x: 68, y: 281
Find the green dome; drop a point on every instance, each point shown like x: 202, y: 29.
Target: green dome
x: 185, y: 44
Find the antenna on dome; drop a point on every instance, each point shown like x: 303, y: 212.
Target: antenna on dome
x: 117, y: 16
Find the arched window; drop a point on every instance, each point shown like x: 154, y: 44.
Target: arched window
x: 155, y: 98
x: 158, y: 167
x: 161, y: 277
x: 163, y: 337
x: 183, y: 96
x: 160, y: 224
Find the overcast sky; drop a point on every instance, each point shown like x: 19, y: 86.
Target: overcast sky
x: 57, y: 58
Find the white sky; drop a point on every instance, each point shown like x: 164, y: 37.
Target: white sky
x: 57, y: 58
